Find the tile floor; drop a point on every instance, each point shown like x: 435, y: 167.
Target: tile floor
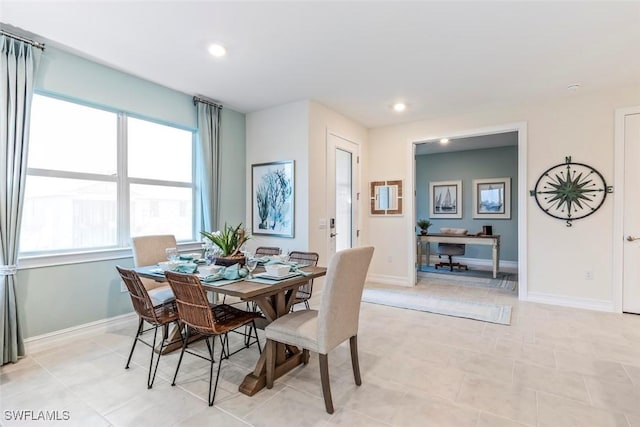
x: 553, y: 366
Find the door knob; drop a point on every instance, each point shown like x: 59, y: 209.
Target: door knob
x: 333, y: 234
x: 631, y: 238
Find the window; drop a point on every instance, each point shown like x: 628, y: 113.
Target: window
x: 97, y: 177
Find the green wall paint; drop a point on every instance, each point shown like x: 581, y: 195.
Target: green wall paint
x: 467, y: 166
x: 55, y: 298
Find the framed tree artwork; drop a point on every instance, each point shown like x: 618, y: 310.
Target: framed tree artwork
x: 273, y: 198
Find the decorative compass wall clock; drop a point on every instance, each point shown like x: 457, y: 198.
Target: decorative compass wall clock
x: 570, y: 191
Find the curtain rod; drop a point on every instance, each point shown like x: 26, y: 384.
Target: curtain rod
x: 23, y: 39
x: 197, y: 99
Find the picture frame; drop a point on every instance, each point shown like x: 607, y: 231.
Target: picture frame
x: 445, y: 199
x: 273, y: 199
x: 492, y: 198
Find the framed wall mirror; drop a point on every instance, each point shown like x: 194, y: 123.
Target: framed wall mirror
x: 386, y: 197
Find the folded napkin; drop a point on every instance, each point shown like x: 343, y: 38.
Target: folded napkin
x: 263, y: 260
x: 233, y: 272
x: 295, y: 269
x: 185, y: 258
x: 187, y: 268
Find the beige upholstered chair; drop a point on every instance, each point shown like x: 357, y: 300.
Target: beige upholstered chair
x: 336, y: 321
x: 149, y: 250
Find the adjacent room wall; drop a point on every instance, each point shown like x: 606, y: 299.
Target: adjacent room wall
x: 577, y: 125
x: 64, y: 296
x: 467, y: 166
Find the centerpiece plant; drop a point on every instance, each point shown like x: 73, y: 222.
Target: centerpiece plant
x: 229, y: 240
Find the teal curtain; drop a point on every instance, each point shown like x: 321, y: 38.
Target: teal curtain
x: 18, y: 62
x: 209, y: 172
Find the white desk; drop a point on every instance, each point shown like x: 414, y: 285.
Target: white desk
x: 494, y: 241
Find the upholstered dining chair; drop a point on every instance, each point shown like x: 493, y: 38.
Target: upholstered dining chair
x: 157, y: 315
x: 304, y: 292
x: 267, y: 250
x: 150, y: 250
x: 197, y: 314
x: 334, y: 322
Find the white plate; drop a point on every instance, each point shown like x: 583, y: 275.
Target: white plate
x: 270, y: 277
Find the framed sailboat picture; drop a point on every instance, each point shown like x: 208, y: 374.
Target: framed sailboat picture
x: 445, y: 199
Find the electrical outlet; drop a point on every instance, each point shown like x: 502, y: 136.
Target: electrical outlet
x: 123, y: 287
x: 588, y: 275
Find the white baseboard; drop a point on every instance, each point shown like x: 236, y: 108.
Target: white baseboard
x: 574, y: 302
x: 55, y: 338
x: 385, y: 279
x: 480, y: 263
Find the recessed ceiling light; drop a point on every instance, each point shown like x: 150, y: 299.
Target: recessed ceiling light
x: 217, y: 50
x: 444, y: 140
x: 399, y: 107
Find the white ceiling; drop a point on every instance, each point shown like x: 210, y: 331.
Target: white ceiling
x: 358, y: 58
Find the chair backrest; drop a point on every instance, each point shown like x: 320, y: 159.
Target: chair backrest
x: 310, y: 258
x: 139, y: 297
x: 267, y: 250
x: 341, y: 295
x: 149, y: 250
x: 451, y: 249
x: 193, y: 306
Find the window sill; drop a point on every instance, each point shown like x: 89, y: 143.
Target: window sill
x: 39, y: 261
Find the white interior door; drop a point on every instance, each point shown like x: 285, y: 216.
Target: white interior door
x: 631, y: 218
x: 342, y: 193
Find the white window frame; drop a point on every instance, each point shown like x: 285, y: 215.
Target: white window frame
x: 122, y: 248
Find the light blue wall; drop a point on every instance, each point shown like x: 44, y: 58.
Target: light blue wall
x: 54, y: 298
x: 467, y: 166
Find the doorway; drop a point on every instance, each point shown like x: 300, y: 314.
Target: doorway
x: 627, y: 222
x: 520, y: 130
x: 343, y: 158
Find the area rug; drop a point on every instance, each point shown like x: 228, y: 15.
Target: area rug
x: 482, y: 278
x: 494, y: 313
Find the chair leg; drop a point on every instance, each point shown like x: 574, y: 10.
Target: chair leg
x: 184, y: 346
x: 306, y: 303
x: 212, y: 398
x: 326, y: 386
x: 255, y: 328
x: 270, y: 349
x: 135, y: 341
x: 353, y: 343
x: 450, y: 263
x: 152, y: 377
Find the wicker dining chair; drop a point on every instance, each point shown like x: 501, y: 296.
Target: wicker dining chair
x: 267, y: 250
x: 157, y: 315
x: 304, y: 292
x: 197, y: 314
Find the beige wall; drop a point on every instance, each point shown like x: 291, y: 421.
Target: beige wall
x: 322, y: 120
x: 298, y: 131
x: 276, y: 134
x: 577, y: 125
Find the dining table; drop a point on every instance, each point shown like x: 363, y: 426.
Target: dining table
x: 275, y: 299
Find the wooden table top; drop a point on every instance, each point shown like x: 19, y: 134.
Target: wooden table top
x: 247, y: 289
